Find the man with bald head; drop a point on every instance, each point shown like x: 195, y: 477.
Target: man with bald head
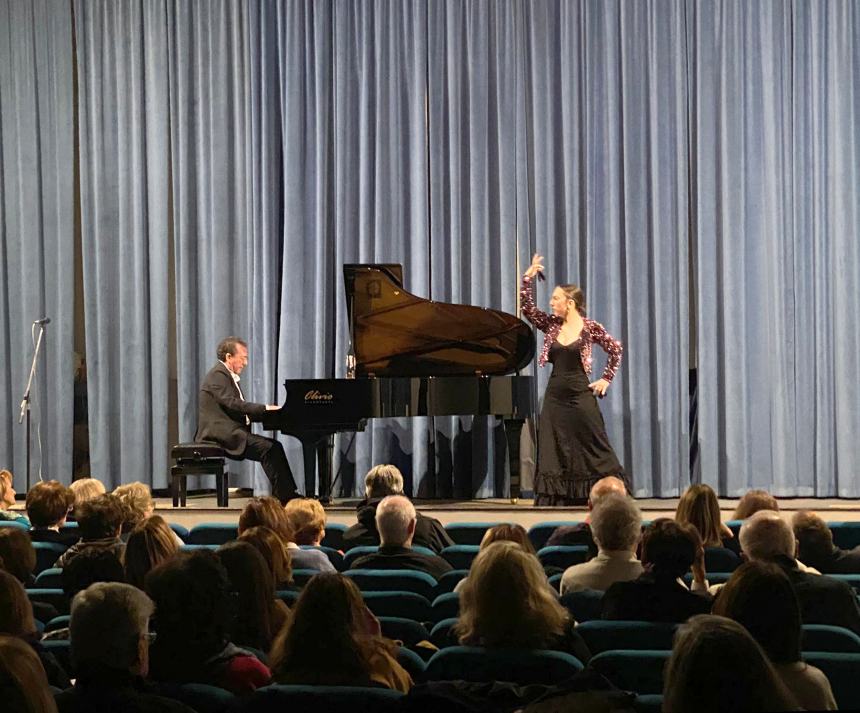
x: 765, y: 536
x: 581, y: 534
x: 395, y: 521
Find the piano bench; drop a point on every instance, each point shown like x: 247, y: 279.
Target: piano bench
x: 198, y: 459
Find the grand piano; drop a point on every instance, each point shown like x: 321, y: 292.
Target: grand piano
x: 409, y: 357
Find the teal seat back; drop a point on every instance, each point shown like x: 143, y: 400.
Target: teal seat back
x: 637, y: 671
x: 523, y: 666
x: 394, y: 580
x: 602, y: 635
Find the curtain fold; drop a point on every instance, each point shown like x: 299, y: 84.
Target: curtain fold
x: 124, y: 122
x: 37, y: 233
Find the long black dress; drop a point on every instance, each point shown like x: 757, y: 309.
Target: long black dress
x: 573, y: 448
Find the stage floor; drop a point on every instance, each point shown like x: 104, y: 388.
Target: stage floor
x: 202, y: 508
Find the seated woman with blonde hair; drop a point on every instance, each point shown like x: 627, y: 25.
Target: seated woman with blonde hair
x: 505, y: 532
x: 527, y: 616
x: 7, y: 500
x: 332, y: 639
x: 700, y: 508
x: 306, y: 518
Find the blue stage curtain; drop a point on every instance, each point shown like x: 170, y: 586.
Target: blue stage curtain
x: 777, y: 215
x: 125, y: 222
x: 37, y: 233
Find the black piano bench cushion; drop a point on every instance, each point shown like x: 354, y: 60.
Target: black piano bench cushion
x: 197, y: 451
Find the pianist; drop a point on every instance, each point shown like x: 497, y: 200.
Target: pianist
x: 224, y: 417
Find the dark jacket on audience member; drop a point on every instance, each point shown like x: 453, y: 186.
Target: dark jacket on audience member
x: 115, y: 692
x: 839, y: 561
x: 114, y: 544
x: 650, y: 598
x: 390, y: 557
x: 823, y: 599
x: 428, y: 531
x: 45, y: 534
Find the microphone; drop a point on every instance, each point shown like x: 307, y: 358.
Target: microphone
x: 44, y: 320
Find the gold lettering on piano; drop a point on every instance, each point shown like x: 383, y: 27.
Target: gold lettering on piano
x: 318, y: 396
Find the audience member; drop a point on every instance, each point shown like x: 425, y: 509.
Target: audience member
x: 7, y: 500
x: 110, y: 650
x: 258, y: 616
x: 669, y: 550
x: 752, y: 501
x: 99, y: 524
x: 149, y: 544
x: 815, y: 546
x: 268, y: 512
x: 527, y: 615
x: 23, y: 685
x: 760, y: 597
x: 700, y: 508
x: 396, y: 520
x: 503, y: 533
x: 89, y: 567
x: 18, y: 558
x: 191, y: 593
x: 717, y: 666
x: 85, y: 489
x: 616, y: 525
x: 137, y: 500
x: 580, y: 534
x: 333, y: 639
x: 16, y: 619
x: 306, y: 518
x: 380, y: 482
x: 274, y: 550
x: 48, y: 504
x: 823, y: 600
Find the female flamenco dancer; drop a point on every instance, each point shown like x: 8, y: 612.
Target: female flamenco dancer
x: 573, y: 448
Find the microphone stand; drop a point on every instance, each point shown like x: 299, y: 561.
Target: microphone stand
x: 25, y: 402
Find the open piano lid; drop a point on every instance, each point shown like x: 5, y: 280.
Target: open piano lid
x: 395, y: 333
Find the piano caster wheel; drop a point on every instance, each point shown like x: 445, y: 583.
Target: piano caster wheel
x: 514, y: 501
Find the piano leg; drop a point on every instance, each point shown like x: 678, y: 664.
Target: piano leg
x: 513, y: 429
x: 325, y: 459
x: 309, y: 457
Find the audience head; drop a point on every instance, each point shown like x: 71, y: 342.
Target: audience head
x: 274, y: 550
x: 616, y: 523
x: 86, y: 489
x: 766, y: 535
x: 670, y: 547
x: 7, y: 490
x: 527, y: 616
x: 508, y: 533
x: 254, y: 622
x: 382, y: 480
x: 100, y: 518
x: 609, y: 484
x: 23, y: 684
x: 16, y: 612
x: 306, y: 519
x: 759, y: 595
x: 138, y: 503
x: 48, y: 504
x: 395, y: 521
x: 149, y: 544
x: 814, y: 539
x: 191, y: 593
x: 17, y: 553
x: 717, y: 666
x: 752, y: 501
x: 328, y: 631
x: 89, y: 566
x: 700, y: 508
x: 268, y: 512
x: 109, y: 629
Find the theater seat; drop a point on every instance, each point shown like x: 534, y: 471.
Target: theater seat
x: 468, y: 533
x: 327, y: 699
x: 523, y: 666
x: 406, y: 605
x: 842, y: 670
x: 562, y: 556
x: 334, y: 535
x: 393, y: 580
x: 408, y: 631
x: 637, y: 671
x: 212, y: 533
x: 46, y: 554
x: 834, y: 639
x: 611, y: 635
x: 199, y: 696
x: 541, y: 532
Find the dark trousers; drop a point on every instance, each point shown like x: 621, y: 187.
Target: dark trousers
x: 270, y: 454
